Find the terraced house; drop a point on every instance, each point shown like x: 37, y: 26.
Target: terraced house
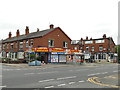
x: 15, y: 47
x: 96, y: 49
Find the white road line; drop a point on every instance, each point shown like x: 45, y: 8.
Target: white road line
x: 46, y: 80
x: 104, y: 72
x: 61, y: 85
x: 2, y: 86
x: 115, y: 71
x: 82, y: 70
x: 70, y: 70
x: 71, y: 82
x: 66, y: 77
x: 91, y: 74
x: 49, y: 87
x: 29, y: 73
x: 81, y: 81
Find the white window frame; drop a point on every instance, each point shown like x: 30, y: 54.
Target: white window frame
x: 50, y: 43
x: 27, y: 43
x: 21, y: 44
x: 93, y: 48
x: 12, y: 45
x: 66, y: 44
x: 99, y: 41
x: 89, y: 42
x: 7, y: 45
x: 100, y: 48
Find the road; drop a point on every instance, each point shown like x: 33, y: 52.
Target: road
x: 62, y: 77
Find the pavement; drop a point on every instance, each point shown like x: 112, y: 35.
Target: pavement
x: 52, y: 65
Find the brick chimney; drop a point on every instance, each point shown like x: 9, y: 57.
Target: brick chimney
x: 91, y: 38
x: 17, y: 33
x: 27, y: 30
x: 81, y: 39
x: 10, y: 34
x: 37, y: 29
x: 104, y: 36
x: 86, y: 37
x: 51, y: 26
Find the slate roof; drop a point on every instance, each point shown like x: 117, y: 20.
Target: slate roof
x: 30, y: 35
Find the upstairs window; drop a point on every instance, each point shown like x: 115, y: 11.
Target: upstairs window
x: 99, y: 41
x: 21, y: 44
x: 51, y: 43
x: 26, y: 43
x: 75, y: 48
x: 15, y: 44
x: 89, y: 42
x: 92, y: 48
x: 87, y: 48
x: 3, y: 46
x: 100, y: 48
x: 7, y: 45
x: 11, y: 45
x: 31, y: 43
x: 65, y: 44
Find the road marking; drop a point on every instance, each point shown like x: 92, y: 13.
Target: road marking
x: 92, y: 81
x: 71, y: 82
x: 49, y: 87
x: 91, y: 74
x: 82, y: 70
x: 70, y: 70
x: 66, y: 77
x: 81, y: 81
x: 47, y: 80
x: 2, y: 86
x: 115, y: 71
x: 29, y: 73
x: 61, y: 85
x: 104, y: 73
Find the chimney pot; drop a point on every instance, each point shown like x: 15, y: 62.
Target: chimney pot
x: 51, y: 26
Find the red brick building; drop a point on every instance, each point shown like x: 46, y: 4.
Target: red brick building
x: 15, y: 47
x: 96, y: 49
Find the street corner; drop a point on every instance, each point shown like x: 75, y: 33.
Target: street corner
x: 108, y: 81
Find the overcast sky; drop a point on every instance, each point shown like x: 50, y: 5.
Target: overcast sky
x: 77, y: 18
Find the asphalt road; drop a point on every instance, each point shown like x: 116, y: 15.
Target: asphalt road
x: 62, y: 77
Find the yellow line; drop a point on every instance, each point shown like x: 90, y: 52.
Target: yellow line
x: 92, y: 81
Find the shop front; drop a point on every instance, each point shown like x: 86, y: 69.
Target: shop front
x: 57, y: 55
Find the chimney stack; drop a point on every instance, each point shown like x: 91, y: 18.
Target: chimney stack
x: 81, y: 39
x: 104, y: 36
x: 27, y: 30
x: 86, y: 37
x: 17, y: 33
x: 91, y: 38
x: 10, y: 34
x: 51, y: 26
x: 37, y: 29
